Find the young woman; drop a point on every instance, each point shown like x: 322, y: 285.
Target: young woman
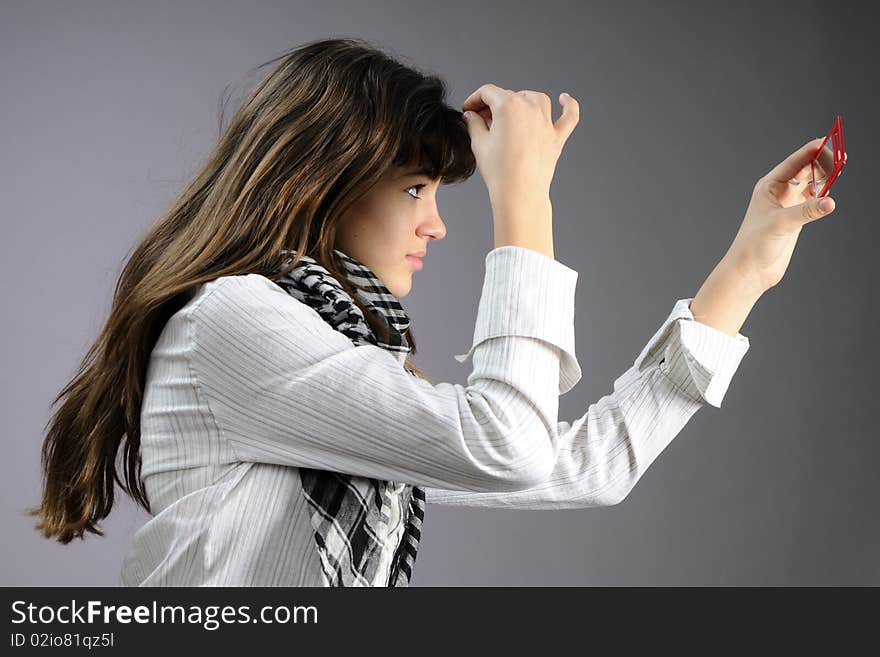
x: 256, y: 365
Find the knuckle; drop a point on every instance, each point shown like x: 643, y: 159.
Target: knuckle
x: 514, y: 100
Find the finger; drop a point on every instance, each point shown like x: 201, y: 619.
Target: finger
x: 804, y: 174
x: 570, y: 115
x: 488, y: 95
x: 790, y: 166
x: 477, y: 126
x: 808, y: 211
x: 486, y: 113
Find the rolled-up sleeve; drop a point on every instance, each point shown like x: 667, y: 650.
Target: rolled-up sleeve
x: 603, y: 454
x: 282, y: 386
x: 507, y: 290
x: 699, y: 358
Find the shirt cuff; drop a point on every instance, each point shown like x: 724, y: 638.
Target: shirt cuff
x: 526, y: 293
x: 699, y: 359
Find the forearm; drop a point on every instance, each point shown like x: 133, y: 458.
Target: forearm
x: 602, y: 455
x: 726, y: 297
x: 526, y: 224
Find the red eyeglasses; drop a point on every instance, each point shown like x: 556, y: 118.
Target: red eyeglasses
x: 828, y: 161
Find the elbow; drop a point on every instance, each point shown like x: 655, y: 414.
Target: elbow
x: 512, y: 452
x: 534, y: 470
x: 510, y: 476
x: 538, y: 466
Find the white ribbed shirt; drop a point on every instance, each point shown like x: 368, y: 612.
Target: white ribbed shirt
x: 245, y: 384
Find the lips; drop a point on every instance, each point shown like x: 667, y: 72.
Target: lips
x: 415, y: 261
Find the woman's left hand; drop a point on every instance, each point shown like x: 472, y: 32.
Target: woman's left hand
x: 778, y: 210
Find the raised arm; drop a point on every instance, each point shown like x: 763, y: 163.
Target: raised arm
x: 688, y: 362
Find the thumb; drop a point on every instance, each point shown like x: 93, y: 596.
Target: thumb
x: 809, y: 210
x: 477, y: 127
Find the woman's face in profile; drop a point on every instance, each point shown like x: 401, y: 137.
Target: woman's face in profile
x: 397, y: 217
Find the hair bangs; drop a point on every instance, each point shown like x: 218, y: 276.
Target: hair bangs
x: 440, y: 145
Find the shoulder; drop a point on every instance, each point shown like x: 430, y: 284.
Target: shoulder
x: 244, y: 290
x: 252, y: 303
x: 236, y: 286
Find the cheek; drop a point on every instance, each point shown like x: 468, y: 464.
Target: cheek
x: 393, y: 237
x: 381, y: 232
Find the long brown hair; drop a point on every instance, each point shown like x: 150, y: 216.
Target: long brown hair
x: 314, y: 135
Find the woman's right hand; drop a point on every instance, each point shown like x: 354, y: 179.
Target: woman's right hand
x: 517, y: 155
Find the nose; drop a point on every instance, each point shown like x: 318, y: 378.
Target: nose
x: 436, y: 228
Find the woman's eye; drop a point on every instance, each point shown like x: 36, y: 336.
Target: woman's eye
x: 416, y: 187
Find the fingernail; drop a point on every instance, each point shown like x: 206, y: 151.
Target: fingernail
x: 825, y: 204
x: 466, y: 116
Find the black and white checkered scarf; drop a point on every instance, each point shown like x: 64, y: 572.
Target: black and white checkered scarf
x: 350, y: 514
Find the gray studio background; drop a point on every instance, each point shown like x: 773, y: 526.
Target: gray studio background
x: 108, y: 107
